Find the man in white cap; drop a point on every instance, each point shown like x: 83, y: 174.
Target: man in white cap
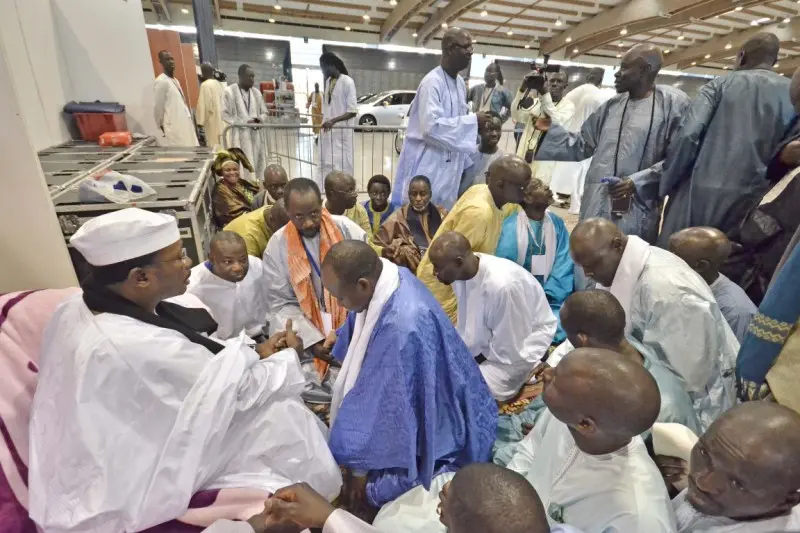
x: 136, y: 409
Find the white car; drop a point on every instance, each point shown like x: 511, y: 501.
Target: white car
x: 385, y: 109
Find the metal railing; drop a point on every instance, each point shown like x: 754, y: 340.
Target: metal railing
x: 306, y: 151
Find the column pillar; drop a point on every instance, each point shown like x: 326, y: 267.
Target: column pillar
x: 204, y: 21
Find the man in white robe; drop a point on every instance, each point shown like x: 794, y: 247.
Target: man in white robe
x: 585, y: 457
x: 171, y: 110
x: 441, y: 133
x: 668, y: 308
x: 209, y: 106
x: 231, y: 285
x: 548, y: 106
x: 744, y: 475
x: 242, y: 103
x: 503, y: 313
x: 293, y: 277
x: 339, y: 107
x: 133, y: 397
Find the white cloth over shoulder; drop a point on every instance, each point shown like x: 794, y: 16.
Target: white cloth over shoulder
x: 387, y: 284
x: 441, y: 136
x: 523, y: 239
x: 503, y: 314
x: 670, y: 309
x: 130, y: 420
x: 240, y: 107
x: 281, y: 300
x: 690, y: 520
x: 619, y: 492
x: 236, y: 307
x: 336, y: 145
x: 172, y: 114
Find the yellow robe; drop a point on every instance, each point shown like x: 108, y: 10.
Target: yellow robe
x: 253, y: 229
x: 358, y: 214
x: 475, y: 216
x: 209, y: 111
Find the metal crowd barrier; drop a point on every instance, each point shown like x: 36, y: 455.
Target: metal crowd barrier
x: 296, y: 147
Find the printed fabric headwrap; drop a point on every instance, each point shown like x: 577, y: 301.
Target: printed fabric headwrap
x: 232, y: 154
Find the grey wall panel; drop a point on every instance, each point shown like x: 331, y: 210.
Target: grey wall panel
x: 268, y: 58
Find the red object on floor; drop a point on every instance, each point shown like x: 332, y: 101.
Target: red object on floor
x: 115, y: 138
x: 93, y: 125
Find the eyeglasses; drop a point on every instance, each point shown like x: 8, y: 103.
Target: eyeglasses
x: 183, y: 257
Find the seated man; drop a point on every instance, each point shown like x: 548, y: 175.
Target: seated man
x: 503, y: 315
x: 292, y: 271
x: 341, y: 198
x: 258, y: 226
x: 378, y: 207
x: 275, y: 180
x: 744, y: 475
x: 537, y: 239
x: 409, y: 403
x: 477, y: 215
x: 585, y: 457
x: 134, y: 398
x: 706, y: 250
x: 482, y: 498
x: 406, y: 235
x: 668, y: 308
x: 231, y: 284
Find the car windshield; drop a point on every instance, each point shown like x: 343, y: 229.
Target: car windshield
x: 364, y: 97
x: 375, y: 97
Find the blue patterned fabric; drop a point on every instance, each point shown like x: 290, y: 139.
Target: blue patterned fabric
x: 420, y: 405
x: 561, y: 282
x: 390, y: 208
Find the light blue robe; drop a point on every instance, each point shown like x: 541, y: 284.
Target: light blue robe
x: 440, y: 138
x: 600, y: 139
x: 561, y: 281
x: 737, y: 308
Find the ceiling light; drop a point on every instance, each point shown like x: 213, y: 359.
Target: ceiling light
x: 444, y: 25
x: 728, y: 46
x: 694, y: 63
x: 509, y: 33
x: 184, y: 11
x: 574, y: 50
x: 527, y: 46
x: 474, y: 41
x: 787, y: 20
x: 623, y: 31
x: 777, y: 65
x: 271, y: 20
x: 484, y: 13
x: 277, y: 7
x: 392, y: 64
x: 726, y: 67
x: 620, y: 44
x: 738, y: 8
x: 347, y: 28
x: 619, y: 55
x: 270, y: 55
x: 569, y: 39
x: 559, y: 22
x: 414, y: 34
x: 365, y: 17
x: 666, y: 50
x: 392, y: 2
x: 681, y: 36
x: 707, y: 56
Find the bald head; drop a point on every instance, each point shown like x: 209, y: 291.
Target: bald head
x: 595, y: 76
x: 759, y: 51
x: 350, y: 272
x: 593, y: 318
x: 486, y: 498
x: 704, y: 249
x: 275, y: 180
x: 746, y: 465
x: 456, y: 50
x: 452, y: 258
x: 455, y: 36
x: 584, y: 392
x: 597, y: 245
x: 638, y: 70
x: 228, y: 256
x: 507, y: 178
x: 340, y: 192
x: 207, y: 71
x: 650, y: 54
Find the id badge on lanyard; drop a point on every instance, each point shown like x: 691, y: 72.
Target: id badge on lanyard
x: 327, y: 319
x: 539, y: 265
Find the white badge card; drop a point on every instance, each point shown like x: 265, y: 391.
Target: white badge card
x: 327, y: 323
x: 539, y: 265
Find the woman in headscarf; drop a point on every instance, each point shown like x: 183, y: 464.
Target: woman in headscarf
x: 407, y: 233
x: 232, y: 195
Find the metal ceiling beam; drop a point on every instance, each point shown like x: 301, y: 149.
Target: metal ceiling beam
x: 164, y: 9
x: 715, y: 48
x: 447, y: 14
x: 400, y: 15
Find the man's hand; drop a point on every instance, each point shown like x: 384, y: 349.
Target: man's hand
x: 526, y: 429
x: 292, y: 340
x: 327, y: 125
x: 330, y: 340
x: 543, y: 123
x: 790, y: 155
x: 354, y: 497
x: 623, y: 189
x: 483, y: 118
x: 271, y: 345
x: 673, y: 470
x: 324, y: 354
x: 297, y: 505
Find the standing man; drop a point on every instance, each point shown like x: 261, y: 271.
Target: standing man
x: 548, y: 106
x: 745, y: 113
x: 209, y: 106
x: 172, y: 114
x: 242, y: 104
x: 568, y: 176
x: 441, y: 134
x: 492, y: 96
x: 628, y: 137
x: 314, y: 105
x: 339, y: 106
